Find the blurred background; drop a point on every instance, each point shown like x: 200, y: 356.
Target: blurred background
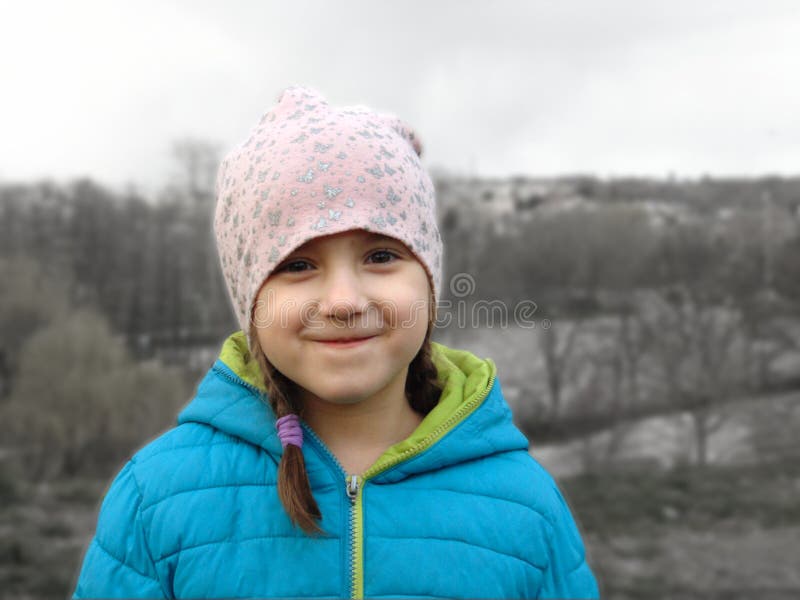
x: 628, y: 171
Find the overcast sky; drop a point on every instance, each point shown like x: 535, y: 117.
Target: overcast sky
x: 493, y: 88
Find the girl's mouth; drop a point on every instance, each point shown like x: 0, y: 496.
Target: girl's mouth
x: 346, y: 343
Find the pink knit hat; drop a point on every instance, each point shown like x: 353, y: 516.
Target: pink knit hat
x: 308, y: 170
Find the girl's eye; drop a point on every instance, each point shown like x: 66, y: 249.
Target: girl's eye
x: 301, y: 265
x: 295, y: 266
x: 383, y: 256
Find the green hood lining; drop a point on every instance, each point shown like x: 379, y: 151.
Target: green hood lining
x: 464, y: 376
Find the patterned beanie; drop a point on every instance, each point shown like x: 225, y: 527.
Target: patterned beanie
x: 309, y: 169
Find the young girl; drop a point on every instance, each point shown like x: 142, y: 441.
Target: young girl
x: 333, y: 450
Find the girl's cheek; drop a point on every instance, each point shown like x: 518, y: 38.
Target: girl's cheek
x: 272, y: 308
x: 410, y: 310
x: 416, y: 314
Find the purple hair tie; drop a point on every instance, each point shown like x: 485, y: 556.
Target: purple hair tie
x: 289, y: 430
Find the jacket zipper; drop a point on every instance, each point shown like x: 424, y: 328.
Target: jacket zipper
x: 356, y: 538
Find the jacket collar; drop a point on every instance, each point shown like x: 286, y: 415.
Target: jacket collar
x: 471, y: 420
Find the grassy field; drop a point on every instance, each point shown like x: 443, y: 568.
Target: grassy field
x: 719, y: 532
x: 43, y: 532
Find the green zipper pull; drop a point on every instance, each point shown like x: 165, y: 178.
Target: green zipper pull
x: 352, y: 488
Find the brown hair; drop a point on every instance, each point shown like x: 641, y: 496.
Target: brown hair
x: 422, y: 391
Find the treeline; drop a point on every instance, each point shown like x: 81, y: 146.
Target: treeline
x: 583, y: 239
x: 149, y: 267
x: 706, y: 195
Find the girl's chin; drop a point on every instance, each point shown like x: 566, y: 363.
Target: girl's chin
x: 340, y: 397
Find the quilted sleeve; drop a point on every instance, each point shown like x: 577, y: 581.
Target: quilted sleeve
x: 117, y: 563
x: 568, y: 574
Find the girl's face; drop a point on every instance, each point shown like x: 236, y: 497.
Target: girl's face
x: 354, y: 284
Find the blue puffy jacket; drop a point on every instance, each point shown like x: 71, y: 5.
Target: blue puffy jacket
x: 457, y: 510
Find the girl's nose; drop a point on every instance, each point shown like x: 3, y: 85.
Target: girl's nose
x: 342, y: 295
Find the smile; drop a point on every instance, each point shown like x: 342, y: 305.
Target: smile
x: 346, y: 343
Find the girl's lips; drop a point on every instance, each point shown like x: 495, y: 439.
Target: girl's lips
x: 346, y: 343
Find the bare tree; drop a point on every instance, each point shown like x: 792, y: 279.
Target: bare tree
x: 699, y: 350
x: 624, y: 364
x: 758, y: 269
x: 196, y: 163
x: 557, y: 350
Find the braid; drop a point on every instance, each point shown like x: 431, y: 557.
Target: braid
x: 294, y: 489
x: 423, y: 388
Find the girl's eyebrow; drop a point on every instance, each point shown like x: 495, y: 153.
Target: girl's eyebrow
x: 372, y: 236
x: 379, y: 237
